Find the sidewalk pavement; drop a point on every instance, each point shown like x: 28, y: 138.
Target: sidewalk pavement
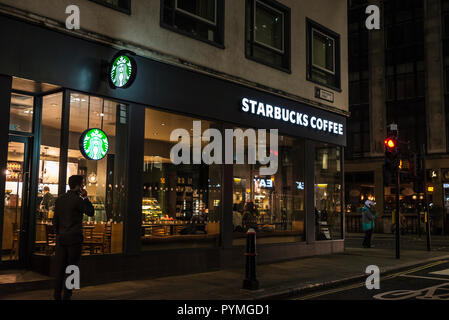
x: 277, y: 280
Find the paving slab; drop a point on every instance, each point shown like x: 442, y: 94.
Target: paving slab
x: 276, y: 279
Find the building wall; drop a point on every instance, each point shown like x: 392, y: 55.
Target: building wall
x: 419, y: 109
x: 142, y: 29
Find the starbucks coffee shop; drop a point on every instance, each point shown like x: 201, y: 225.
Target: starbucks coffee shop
x: 72, y: 106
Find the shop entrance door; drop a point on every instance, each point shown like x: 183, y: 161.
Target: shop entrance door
x: 16, y: 200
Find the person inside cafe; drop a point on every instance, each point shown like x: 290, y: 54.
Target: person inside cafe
x: 69, y: 210
x: 47, y: 201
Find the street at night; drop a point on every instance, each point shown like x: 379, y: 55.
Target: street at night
x: 427, y: 282
x: 229, y: 158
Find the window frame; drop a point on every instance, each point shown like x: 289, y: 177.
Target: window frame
x: 214, y: 23
x: 286, y: 33
x: 255, y: 25
x: 333, y: 53
x: 108, y: 5
x: 219, y: 22
x: 310, y: 27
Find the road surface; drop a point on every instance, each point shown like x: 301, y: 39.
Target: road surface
x: 426, y: 282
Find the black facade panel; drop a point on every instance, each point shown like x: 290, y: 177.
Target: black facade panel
x: 37, y: 53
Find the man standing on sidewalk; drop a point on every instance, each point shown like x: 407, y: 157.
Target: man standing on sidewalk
x: 368, y: 217
x: 69, y: 210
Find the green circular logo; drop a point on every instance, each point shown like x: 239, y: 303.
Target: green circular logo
x: 94, y: 144
x: 121, y: 71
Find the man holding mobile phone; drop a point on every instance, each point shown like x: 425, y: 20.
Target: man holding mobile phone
x: 69, y: 210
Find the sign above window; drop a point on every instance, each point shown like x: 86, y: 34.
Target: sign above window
x: 122, y: 70
x: 94, y: 144
x: 291, y: 116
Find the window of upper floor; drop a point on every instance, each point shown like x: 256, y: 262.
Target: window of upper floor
x: 268, y: 33
x: 199, y: 19
x: 120, y: 5
x: 323, y: 56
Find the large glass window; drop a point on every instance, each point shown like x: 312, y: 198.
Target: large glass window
x: 268, y: 33
x: 273, y: 205
x: 104, y: 178
x: 14, y: 200
x: 181, y: 202
x: 323, y: 55
x: 21, y: 116
x: 49, y: 165
x: 201, y: 19
x: 328, y: 192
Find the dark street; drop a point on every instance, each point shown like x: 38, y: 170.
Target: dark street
x: 427, y: 282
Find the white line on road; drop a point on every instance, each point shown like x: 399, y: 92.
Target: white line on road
x: 423, y: 277
x: 441, y: 272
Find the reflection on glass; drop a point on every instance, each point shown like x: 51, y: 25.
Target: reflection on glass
x: 21, y: 117
x: 328, y: 192
x: 104, y: 179
x: 204, y: 9
x: 323, y: 51
x: 269, y: 26
x: 13, y: 201
x: 273, y: 205
x: 48, y: 173
x: 181, y: 205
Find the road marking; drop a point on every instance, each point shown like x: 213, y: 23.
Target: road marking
x: 441, y: 272
x: 325, y: 293
x: 430, y: 293
x: 423, y: 277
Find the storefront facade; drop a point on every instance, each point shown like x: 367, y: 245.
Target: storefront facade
x: 153, y: 217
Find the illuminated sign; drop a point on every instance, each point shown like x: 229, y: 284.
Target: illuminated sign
x: 122, y: 70
x: 94, y: 144
x: 299, y: 185
x: 291, y: 116
x: 264, y: 183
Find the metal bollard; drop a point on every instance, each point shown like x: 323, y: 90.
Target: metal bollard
x: 250, y: 282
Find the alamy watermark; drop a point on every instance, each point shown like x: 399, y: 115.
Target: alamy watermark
x: 73, y: 21
x: 373, y: 20
x: 373, y: 280
x: 73, y: 277
x: 185, y: 153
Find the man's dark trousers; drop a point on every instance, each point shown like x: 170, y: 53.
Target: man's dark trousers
x: 65, y: 256
x: 367, y: 240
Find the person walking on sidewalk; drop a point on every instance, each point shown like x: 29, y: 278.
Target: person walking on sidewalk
x: 69, y: 210
x: 368, y: 217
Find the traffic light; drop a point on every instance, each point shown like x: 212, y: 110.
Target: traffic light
x: 391, y: 145
x: 391, y: 160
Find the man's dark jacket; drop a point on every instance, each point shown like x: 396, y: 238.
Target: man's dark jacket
x: 69, y: 210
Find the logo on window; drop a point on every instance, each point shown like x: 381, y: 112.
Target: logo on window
x: 122, y: 70
x: 94, y: 144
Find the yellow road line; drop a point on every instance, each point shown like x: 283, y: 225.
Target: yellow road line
x: 358, y: 285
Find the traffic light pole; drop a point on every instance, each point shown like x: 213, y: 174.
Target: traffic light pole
x: 398, y: 184
x: 426, y: 207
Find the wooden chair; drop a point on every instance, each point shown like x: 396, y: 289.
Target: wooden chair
x: 50, y: 232
x: 107, y: 238
x: 41, y: 238
x: 14, y: 253
x: 91, y: 243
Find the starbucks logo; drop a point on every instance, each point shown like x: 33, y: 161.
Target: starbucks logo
x: 122, y: 70
x: 94, y: 144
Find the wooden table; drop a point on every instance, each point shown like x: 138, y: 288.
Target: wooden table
x: 169, y: 229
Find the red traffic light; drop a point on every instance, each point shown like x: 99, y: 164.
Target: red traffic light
x: 390, y: 144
